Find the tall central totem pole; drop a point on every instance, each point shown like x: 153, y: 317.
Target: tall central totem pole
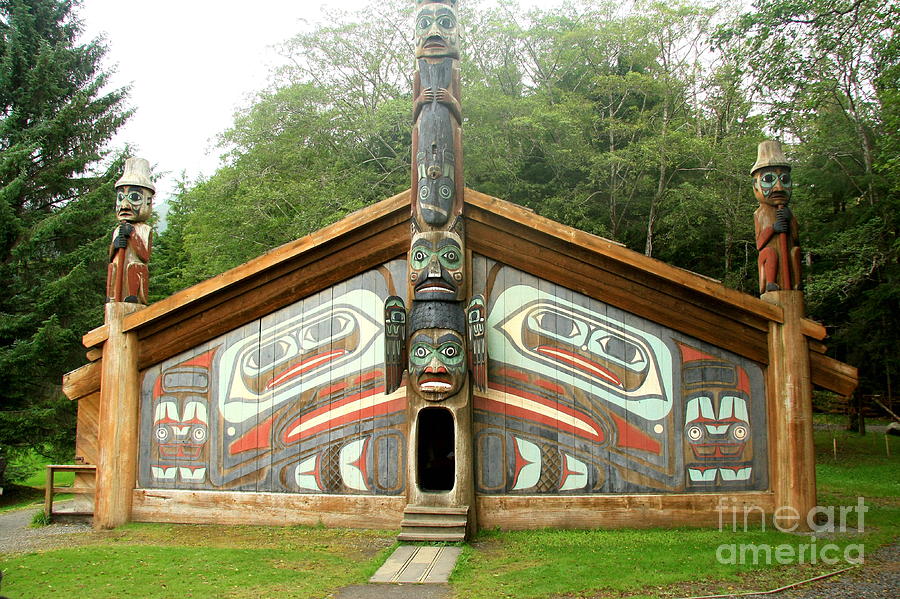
x: 443, y: 336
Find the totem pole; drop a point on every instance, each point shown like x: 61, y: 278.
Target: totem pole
x: 433, y: 343
x: 777, y: 234
x: 778, y: 242
x: 129, y: 249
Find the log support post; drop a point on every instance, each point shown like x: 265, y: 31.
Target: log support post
x: 118, y: 426
x: 790, y: 391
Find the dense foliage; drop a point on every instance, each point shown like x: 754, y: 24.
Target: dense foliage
x: 635, y: 122
x: 55, y: 214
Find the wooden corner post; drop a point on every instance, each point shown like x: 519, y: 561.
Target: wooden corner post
x: 118, y: 427
x: 794, y: 481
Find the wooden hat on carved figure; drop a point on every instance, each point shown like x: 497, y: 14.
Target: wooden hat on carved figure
x: 769, y: 153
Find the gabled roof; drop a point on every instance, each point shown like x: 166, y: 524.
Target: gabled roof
x: 687, y: 302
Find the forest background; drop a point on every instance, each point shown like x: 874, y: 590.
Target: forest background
x: 635, y: 121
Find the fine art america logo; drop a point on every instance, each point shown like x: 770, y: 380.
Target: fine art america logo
x: 819, y: 520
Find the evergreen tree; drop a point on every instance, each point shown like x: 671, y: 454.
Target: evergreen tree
x: 55, y: 214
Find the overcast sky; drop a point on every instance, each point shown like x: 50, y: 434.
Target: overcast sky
x: 191, y: 64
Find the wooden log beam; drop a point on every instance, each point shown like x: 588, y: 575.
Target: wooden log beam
x: 82, y: 381
x: 118, y: 421
x: 267, y: 509
x: 832, y: 374
x: 618, y: 511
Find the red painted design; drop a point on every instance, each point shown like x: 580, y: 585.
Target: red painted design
x: 566, y: 472
x: 204, y: 360
x: 306, y: 365
x: 378, y: 409
x: 580, y: 362
x: 157, y: 387
x: 743, y: 381
x: 256, y: 438
x: 360, y: 463
x: 326, y: 391
x: 367, y: 377
x: 689, y: 354
x: 520, y: 462
x: 552, y: 387
x: 633, y: 438
x: 491, y: 405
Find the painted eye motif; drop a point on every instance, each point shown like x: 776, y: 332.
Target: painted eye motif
x: 769, y: 179
x: 424, y: 193
x: 621, y: 350
x: 695, y: 433
x: 325, y: 330
x: 162, y: 433
x: 450, y: 351
x: 198, y: 434
x: 450, y: 258
x: 420, y: 255
x: 555, y: 324
x: 786, y: 179
x: 445, y: 192
x: 739, y: 432
x: 421, y: 352
x: 269, y: 355
x: 424, y: 22
x: 446, y: 22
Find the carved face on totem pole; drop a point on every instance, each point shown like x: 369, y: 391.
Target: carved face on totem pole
x: 437, y: 363
x: 133, y: 203
x: 772, y: 185
x: 437, y: 188
x: 437, y: 33
x: 436, y: 266
x: 437, y: 349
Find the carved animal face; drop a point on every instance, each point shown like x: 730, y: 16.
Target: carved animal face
x: 437, y: 189
x: 436, y: 266
x: 133, y: 203
x: 772, y: 185
x: 437, y: 363
x: 437, y: 33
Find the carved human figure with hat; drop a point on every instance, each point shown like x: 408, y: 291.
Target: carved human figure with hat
x: 777, y: 232
x: 130, y: 246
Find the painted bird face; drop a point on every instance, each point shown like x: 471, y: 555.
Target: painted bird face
x: 181, y: 436
x: 437, y: 363
x: 436, y: 266
x: 437, y: 32
x: 773, y: 185
x: 133, y: 203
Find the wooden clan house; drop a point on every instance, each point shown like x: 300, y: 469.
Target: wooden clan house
x: 445, y: 360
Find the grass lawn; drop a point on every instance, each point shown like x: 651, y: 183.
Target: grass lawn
x: 157, y: 560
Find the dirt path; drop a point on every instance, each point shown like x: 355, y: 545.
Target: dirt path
x: 16, y: 534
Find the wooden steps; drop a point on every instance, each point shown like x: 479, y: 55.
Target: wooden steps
x: 431, y: 523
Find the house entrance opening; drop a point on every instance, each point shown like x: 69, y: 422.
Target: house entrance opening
x: 435, y: 450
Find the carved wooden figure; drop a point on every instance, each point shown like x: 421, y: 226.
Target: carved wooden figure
x: 777, y: 232
x: 130, y: 246
x: 437, y: 140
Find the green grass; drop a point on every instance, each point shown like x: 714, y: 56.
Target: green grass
x: 28, y: 489
x: 200, y: 561
x: 244, y: 561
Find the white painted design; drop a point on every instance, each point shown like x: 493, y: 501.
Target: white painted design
x: 164, y: 473
x: 702, y: 476
x: 305, y: 475
x: 192, y: 474
x: 577, y: 474
x: 521, y: 308
x: 731, y: 475
x: 275, y: 351
x: 350, y: 472
x: 530, y: 473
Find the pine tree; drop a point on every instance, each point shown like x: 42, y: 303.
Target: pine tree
x: 55, y: 214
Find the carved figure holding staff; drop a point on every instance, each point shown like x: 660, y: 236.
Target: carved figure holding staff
x: 777, y: 231
x: 129, y: 249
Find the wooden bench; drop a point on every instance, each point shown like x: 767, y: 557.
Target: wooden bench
x: 51, y: 488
